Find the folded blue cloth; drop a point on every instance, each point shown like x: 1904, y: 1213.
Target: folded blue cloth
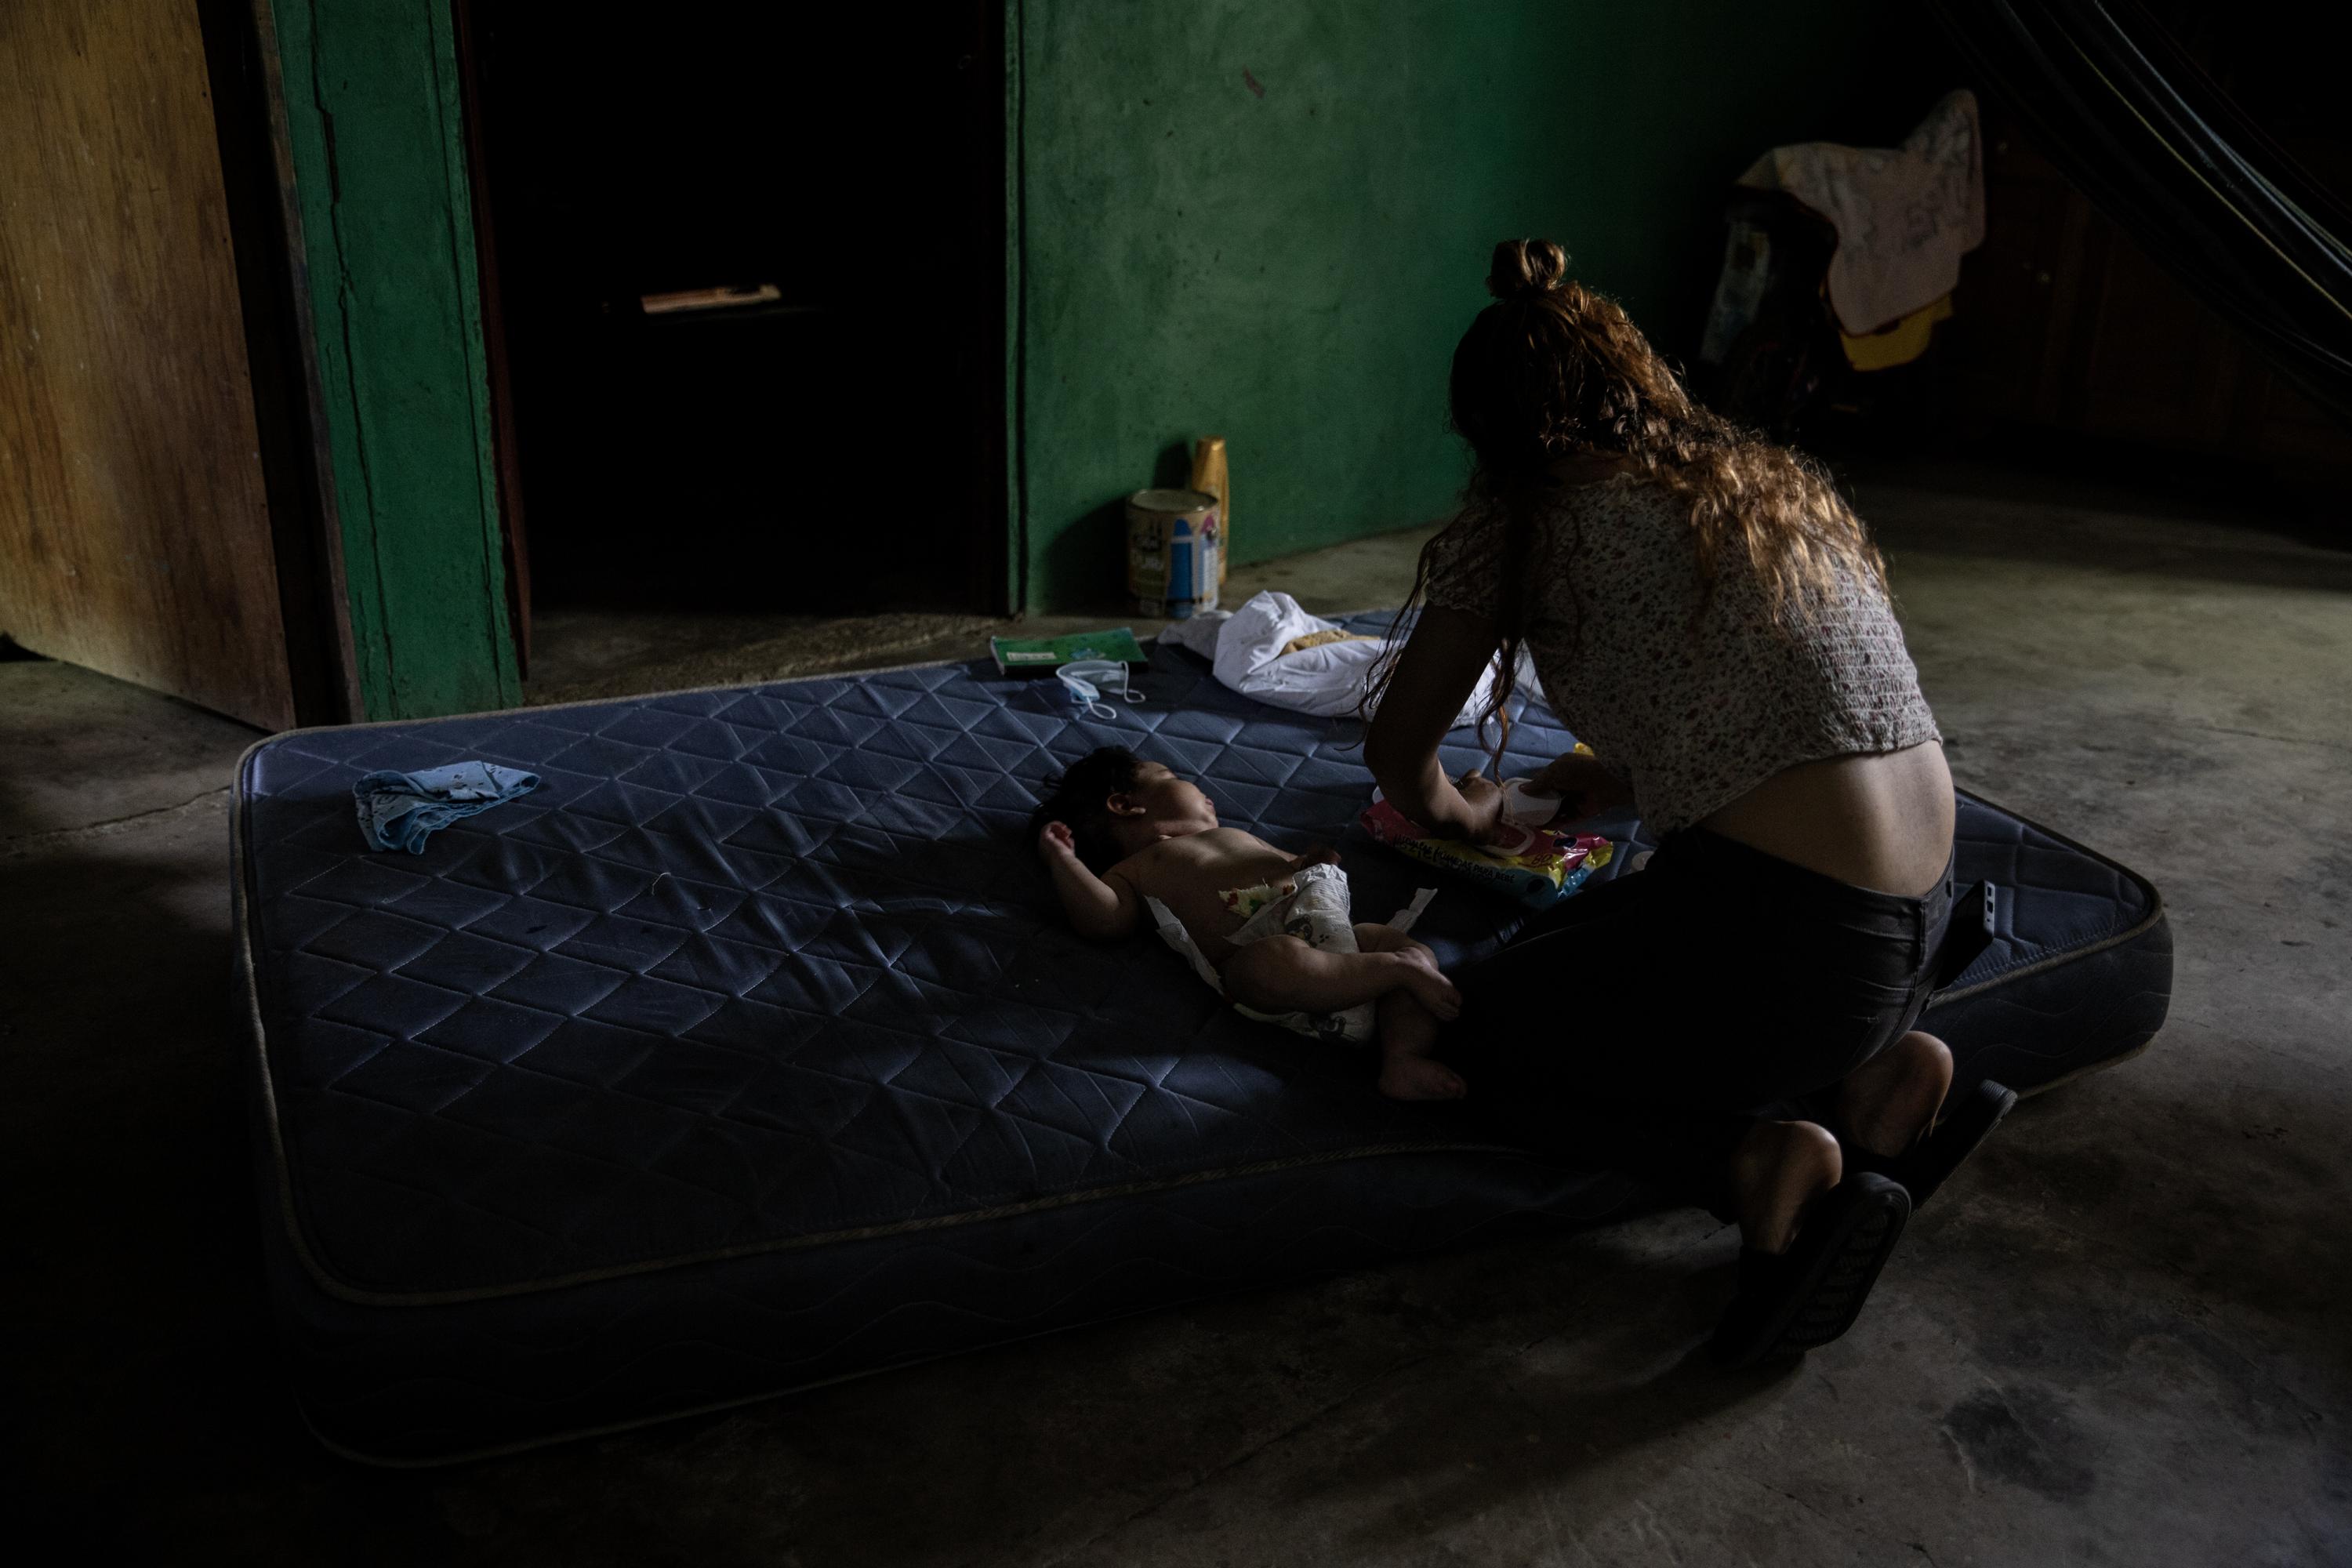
x: 401, y: 810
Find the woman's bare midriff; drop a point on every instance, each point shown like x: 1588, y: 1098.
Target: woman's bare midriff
x: 1881, y: 822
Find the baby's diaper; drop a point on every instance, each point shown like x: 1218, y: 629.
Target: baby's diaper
x: 1312, y: 906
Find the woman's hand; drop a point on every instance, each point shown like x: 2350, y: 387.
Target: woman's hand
x: 1434, y: 676
x: 1585, y: 785
x: 1484, y: 797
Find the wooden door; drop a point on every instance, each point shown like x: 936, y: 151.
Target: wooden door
x: 2067, y: 325
x: 134, y: 531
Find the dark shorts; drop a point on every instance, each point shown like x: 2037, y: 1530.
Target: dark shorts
x: 1647, y: 1024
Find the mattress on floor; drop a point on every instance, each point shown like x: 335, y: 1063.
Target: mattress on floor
x: 747, y: 1053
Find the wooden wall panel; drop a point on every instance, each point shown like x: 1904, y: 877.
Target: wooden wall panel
x: 134, y: 534
x: 2067, y: 325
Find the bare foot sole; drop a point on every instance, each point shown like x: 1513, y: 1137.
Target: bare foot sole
x: 1418, y: 1078
x: 1968, y: 1121
x: 1887, y: 1103
x: 1777, y: 1171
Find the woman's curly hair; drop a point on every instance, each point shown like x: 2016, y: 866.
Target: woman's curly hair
x: 1554, y: 370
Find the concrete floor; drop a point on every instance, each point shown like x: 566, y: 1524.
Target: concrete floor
x: 2122, y: 1336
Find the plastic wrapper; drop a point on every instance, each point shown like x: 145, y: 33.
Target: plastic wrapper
x: 1531, y: 866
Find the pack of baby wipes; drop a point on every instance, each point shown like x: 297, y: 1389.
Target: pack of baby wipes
x: 1531, y: 864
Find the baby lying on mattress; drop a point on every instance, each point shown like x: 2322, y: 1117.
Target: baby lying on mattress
x: 1271, y: 932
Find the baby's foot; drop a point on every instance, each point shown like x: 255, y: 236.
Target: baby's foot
x: 1418, y: 1078
x: 1427, y: 984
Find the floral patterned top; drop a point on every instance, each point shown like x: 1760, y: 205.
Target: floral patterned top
x: 1696, y: 699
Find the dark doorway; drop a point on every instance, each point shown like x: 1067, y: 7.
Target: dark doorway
x: 744, y: 282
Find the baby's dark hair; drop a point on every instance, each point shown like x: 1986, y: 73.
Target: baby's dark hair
x: 1081, y: 799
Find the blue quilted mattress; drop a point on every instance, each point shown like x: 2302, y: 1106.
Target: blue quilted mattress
x: 749, y: 1053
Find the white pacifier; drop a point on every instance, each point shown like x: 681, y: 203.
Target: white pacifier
x: 1085, y: 678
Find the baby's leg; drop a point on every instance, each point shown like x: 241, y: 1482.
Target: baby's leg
x: 1283, y: 974
x: 1428, y: 984
x: 1408, y: 1031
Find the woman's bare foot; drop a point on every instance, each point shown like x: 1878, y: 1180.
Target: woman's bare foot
x: 1778, y: 1169
x: 1419, y: 1078
x: 1427, y: 983
x: 1888, y: 1102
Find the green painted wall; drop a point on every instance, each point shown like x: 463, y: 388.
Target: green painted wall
x: 1267, y: 221
x: 372, y: 106
x: 1291, y: 268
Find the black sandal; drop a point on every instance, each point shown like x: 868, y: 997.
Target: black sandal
x: 1923, y: 1167
x: 1790, y: 1303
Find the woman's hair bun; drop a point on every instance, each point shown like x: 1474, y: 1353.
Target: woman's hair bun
x: 1523, y: 269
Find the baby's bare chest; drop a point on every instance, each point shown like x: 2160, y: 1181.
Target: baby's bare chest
x: 1208, y: 864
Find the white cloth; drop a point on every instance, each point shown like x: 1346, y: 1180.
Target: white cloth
x: 1319, y: 912
x: 1903, y: 216
x: 1256, y: 651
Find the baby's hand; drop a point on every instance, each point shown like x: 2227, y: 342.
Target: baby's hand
x: 1321, y: 854
x: 1054, y: 842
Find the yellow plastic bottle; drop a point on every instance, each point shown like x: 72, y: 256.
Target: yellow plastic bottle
x: 1211, y: 477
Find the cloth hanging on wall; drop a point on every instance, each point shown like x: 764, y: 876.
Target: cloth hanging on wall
x: 2143, y: 132
x: 1904, y: 215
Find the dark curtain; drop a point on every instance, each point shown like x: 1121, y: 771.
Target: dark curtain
x: 2111, y: 99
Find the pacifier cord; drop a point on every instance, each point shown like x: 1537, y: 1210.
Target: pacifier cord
x: 1078, y: 679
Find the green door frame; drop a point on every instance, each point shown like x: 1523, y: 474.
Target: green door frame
x: 383, y: 246
x: 367, y: 117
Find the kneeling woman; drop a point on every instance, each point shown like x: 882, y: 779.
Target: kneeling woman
x: 1706, y: 613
